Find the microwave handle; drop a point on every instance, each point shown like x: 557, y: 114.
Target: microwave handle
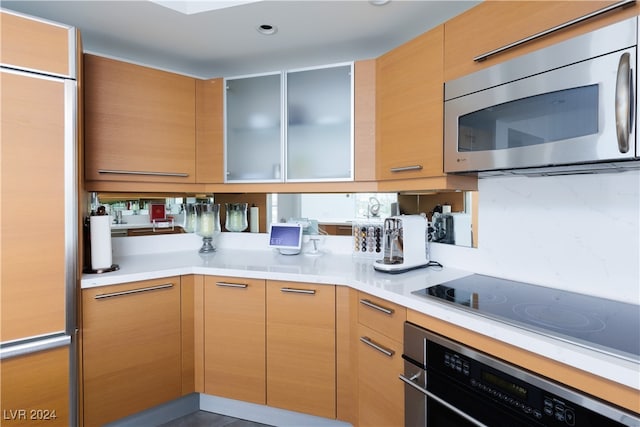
x: 623, y: 102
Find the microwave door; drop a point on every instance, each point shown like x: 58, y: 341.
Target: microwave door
x: 570, y: 115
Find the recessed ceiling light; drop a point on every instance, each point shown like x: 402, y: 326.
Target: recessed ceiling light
x: 378, y: 2
x: 267, y: 29
x: 190, y: 7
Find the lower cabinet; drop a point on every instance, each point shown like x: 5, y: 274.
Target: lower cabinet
x: 234, y: 341
x: 301, y: 348
x: 35, y: 389
x: 380, y: 335
x: 131, y: 348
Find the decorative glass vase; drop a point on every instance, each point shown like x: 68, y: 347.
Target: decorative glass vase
x: 236, y: 219
x: 190, y: 218
x: 208, y: 215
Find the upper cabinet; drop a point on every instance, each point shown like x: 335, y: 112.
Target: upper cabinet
x: 36, y: 45
x: 292, y: 126
x: 254, y: 128
x: 494, y: 24
x: 409, y: 105
x: 139, y: 123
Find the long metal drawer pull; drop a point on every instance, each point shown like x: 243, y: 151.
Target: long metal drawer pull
x: 623, y: 102
x: 232, y: 285
x: 406, y: 168
x: 442, y: 402
x: 134, y: 291
x: 385, y: 310
x: 381, y: 349
x: 299, y: 291
x: 553, y: 29
x: 121, y: 172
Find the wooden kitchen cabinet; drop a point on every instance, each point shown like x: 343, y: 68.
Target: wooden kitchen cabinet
x: 33, y: 159
x: 131, y: 346
x: 380, y: 335
x: 36, y: 45
x: 234, y: 341
x: 301, y: 347
x: 35, y: 389
x: 409, y: 113
x: 494, y: 24
x: 140, y: 123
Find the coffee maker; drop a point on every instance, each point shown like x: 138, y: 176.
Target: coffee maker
x: 404, y: 244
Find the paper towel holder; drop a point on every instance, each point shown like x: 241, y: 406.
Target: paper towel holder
x: 87, y: 254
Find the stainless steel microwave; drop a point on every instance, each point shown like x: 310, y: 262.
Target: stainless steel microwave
x: 570, y: 106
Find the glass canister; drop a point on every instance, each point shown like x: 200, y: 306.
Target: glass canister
x: 236, y: 216
x: 208, y: 227
x: 190, y: 218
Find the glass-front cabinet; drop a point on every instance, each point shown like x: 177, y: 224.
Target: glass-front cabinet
x: 317, y: 142
x: 319, y: 126
x: 253, y: 134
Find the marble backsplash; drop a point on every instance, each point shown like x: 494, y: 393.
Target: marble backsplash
x: 575, y: 232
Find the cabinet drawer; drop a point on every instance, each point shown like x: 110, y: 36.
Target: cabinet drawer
x: 380, y: 392
x: 381, y: 315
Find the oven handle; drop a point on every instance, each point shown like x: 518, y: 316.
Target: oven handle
x: 442, y: 402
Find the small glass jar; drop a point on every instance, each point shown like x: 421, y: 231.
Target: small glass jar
x: 208, y: 224
x: 190, y: 218
x: 236, y: 219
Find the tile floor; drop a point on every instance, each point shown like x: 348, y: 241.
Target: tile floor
x: 208, y: 419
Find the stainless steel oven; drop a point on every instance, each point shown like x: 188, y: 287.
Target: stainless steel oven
x: 573, y: 103
x: 448, y: 384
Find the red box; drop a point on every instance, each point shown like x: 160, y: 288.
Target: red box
x: 156, y: 212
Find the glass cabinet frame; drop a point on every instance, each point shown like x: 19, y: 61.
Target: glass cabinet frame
x: 279, y: 166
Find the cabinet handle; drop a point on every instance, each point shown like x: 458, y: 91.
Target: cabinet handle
x: 120, y: 172
x: 386, y: 351
x: 553, y: 29
x: 406, y: 168
x: 134, y: 291
x: 385, y: 310
x: 299, y: 291
x: 232, y: 285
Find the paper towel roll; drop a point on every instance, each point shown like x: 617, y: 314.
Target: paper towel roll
x: 100, y: 227
x: 254, y: 219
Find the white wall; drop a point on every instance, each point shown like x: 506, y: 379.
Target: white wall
x: 578, y: 232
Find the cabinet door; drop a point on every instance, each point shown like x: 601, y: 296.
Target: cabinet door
x: 301, y: 345
x: 139, y: 123
x: 33, y: 237
x: 380, y: 392
x: 35, y: 389
x: 491, y: 25
x: 234, y: 342
x: 319, y: 130
x: 383, y: 316
x: 35, y: 45
x: 409, y: 100
x: 253, y: 129
x: 131, y: 348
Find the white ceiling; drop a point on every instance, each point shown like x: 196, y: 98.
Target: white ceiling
x: 225, y: 42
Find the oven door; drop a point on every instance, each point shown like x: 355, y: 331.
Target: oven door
x: 442, y: 403
x: 580, y: 113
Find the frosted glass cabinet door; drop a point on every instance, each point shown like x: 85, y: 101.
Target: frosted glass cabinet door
x: 253, y: 128
x: 319, y: 132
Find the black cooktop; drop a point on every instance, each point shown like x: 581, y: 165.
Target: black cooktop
x: 601, y: 324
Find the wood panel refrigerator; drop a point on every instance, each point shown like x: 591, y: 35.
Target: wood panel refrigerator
x: 38, y: 220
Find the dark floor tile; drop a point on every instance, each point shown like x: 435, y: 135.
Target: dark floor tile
x: 208, y: 419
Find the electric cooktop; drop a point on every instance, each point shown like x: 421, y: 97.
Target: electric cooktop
x: 605, y: 325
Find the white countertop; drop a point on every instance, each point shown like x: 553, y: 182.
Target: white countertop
x: 178, y: 255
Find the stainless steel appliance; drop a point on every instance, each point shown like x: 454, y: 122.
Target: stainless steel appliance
x: 404, y: 244
x: 571, y: 106
x: 448, y: 384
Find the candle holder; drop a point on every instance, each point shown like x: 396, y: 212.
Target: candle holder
x: 208, y: 225
x: 236, y: 219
